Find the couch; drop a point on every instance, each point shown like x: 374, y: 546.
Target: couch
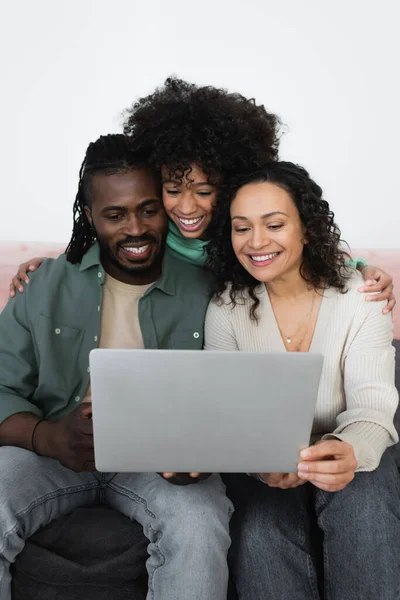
x: 108, y: 561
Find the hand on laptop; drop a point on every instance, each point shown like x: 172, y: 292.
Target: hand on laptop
x: 184, y: 478
x: 70, y: 441
x: 282, y: 480
x: 329, y: 465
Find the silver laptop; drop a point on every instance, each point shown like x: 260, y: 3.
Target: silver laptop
x: 198, y: 411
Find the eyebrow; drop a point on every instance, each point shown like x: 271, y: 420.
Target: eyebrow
x: 140, y: 205
x: 271, y: 214
x: 193, y: 184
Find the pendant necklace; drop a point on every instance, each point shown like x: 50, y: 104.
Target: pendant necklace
x: 289, y: 338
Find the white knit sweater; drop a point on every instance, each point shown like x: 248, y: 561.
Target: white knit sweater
x: 357, y: 398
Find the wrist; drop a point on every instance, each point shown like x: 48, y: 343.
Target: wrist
x: 43, y: 439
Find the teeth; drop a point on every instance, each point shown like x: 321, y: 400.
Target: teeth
x: 190, y: 221
x: 265, y: 257
x: 139, y: 250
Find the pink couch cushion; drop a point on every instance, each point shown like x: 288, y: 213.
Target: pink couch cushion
x: 14, y: 253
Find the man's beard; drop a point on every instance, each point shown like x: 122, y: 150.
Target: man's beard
x: 107, y: 253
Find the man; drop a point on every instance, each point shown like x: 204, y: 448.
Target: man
x: 115, y: 287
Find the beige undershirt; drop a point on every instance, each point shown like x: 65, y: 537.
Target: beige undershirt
x: 120, y: 327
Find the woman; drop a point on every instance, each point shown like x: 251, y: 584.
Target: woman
x: 282, y: 286
x: 201, y: 137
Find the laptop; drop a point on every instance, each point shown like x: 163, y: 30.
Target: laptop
x: 202, y: 411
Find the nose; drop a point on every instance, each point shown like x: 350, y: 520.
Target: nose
x: 134, y: 226
x: 259, y: 238
x: 186, y: 204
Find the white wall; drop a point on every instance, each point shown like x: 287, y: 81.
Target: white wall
x: 329, y: 69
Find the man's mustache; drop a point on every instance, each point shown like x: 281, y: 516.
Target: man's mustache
x: 137, y: 240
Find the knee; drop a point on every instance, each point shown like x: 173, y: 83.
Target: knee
x: 199, y: 515
x: 370, y: 502
x: 208, y: 514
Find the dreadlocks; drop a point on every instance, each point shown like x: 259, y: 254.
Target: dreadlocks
x: 108, y: 155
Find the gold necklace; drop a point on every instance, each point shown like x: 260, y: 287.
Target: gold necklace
x: 289, y: 338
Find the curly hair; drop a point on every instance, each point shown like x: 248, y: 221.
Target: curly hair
x: 109, y: 154
x: 323, y: 261
x: 222, y: 133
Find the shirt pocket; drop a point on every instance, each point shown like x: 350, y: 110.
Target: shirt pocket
x: 186, y: 339
x: 58, y: 347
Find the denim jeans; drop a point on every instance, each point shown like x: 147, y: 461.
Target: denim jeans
x: 274, y: 555
x: 187, y: 527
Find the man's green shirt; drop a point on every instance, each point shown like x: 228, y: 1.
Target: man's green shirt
x: 47, y: 332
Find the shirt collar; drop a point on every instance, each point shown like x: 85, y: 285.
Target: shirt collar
x: 166, y: 283
x: 91, y: 258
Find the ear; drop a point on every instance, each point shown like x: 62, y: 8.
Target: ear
x: 304, y: 239
x: 88, y: 214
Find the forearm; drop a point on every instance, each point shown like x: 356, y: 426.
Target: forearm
x: 17, y: 430
x: 369, y: 441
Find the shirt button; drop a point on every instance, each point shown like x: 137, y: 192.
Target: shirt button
x: 99, y: 275
x: 196, y: 335
x: 95, y: 338
x: 88, y: 369
x: 77, y: 398
x: 98, y: 309
x: 57, y: 331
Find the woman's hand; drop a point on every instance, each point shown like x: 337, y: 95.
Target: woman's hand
x: 284, y: 481
x: 377, y: 280
x: 22, y: 275
x: 329, y: 465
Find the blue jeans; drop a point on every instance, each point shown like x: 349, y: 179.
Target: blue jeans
x: 187, y: 527
x: 274, y: 555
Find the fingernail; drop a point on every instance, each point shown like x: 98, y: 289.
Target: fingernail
x: 305, y: 453
x: 21, y: 289
x: 369, y: 282
x: 361, y: 289
x: 368, y: 299
x: 32, y: 268
x: 385, y: 311
x: 302, y: 475
x: 27, y: 280
x: 302, y: 467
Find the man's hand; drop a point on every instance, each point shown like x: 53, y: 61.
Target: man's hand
x: 70, y: 441
x: 284, y: 481
x: 329, y: 465
x: 184, y: 478
x: 377, y: 280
